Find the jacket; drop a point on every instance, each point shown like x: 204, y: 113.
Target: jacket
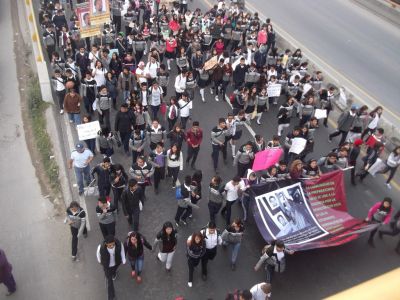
x: 142, y: 172
x: 194, y: 139
x: 105, y: 255
x: 376, y: 214
x: 103, y: 102
x: 218, y: 135
x: 72, y: 103
x: 130, y: 200
x: 103, y: 176
x: 124, y: 121
x: 242, y: 157
x: 345, y: 121
x: 109, y: 216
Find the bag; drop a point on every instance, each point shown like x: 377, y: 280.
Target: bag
x: 163, y: 108
x: 92, y: 190
x: 237, y: 135
x: 178, y: 193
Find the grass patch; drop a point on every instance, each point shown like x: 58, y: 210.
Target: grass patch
x: 36, y: 110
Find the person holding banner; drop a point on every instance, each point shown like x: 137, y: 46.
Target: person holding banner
x: 394, y: 229
x: 380, y: 213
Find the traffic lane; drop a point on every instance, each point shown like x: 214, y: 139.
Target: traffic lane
x: 356, y: 43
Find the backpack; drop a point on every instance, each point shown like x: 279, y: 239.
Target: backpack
x: 178, y: 193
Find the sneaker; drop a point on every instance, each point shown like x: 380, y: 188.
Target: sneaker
x: 169, y: 68
x: 10, y: 293
x: 388, y: 186
x: 216, y: 98
x: 138, y: 279
x: 61, y: 111
x: 184, y: 223
x: 176, y: 224
x: 190, y: 284
x: 202, y: 99
x: 173, y: 185
x: 233, y: 267
x: 133, y: 274
x: 80, y: 193
x: 329, y: 140
x: 73, y: 258
x: 211, y: 92
x: 71, y: 121
x: 191, y: 216
x: 258, y: 122
x: 114, y: 276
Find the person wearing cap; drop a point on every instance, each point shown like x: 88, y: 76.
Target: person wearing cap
x: 110, y: 254
x: 80, y: 160
x: 345, y: 123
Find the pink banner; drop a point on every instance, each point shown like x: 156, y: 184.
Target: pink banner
x: 267, y: 158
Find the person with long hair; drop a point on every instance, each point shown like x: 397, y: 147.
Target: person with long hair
x: 375, y: 115
x: 167, y: 240
x: 296, y: 169
x: 232, y: 236
x: 134, y: 249
x: 392, y: 162
x: 176, y: 136
x: 174, y: 163
x: 196, y: 248
x: 380, y: 213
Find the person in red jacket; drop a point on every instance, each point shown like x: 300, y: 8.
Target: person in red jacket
x: 194, y: 136
x: 379, y: 213
x: 6, y: 275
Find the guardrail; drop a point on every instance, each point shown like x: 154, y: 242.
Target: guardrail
x: 44, y: 80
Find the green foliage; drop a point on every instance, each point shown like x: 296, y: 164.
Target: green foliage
x: 37, y: 108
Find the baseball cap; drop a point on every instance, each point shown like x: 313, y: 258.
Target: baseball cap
x: 354, y: 107
x: 79, y: 146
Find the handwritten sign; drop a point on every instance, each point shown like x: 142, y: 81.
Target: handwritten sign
x: 320, y: 113
x: 88, y: 130
x: 274, y: 90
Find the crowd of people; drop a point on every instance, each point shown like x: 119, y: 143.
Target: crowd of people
x: 223, y: 54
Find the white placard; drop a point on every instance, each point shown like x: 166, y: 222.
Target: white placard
x: 320, y: 113
x: 88, y: 130
x: 298, y: 145
x: 274, y: 90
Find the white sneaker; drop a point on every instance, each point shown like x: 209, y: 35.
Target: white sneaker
x: 216, y: 98
x: 61, y: 111
x: 204, y: 100
x: 258, y: 122
x: 211, y: 92
x: 71, y: 121
x: 388, y: 186
x: 190, y: 284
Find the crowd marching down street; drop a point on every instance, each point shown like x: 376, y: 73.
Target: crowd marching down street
x: 143, y: 77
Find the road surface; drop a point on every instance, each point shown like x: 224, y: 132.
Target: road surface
x: 349, y: 38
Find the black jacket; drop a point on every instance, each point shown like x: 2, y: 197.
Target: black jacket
x: 130, y: 200
x: 124, y: 121
x: 105, y: 256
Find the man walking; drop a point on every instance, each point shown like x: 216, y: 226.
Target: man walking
x: 194, y: 136
x: 6, y: 275
x: 80, y: 159
x: 110, y: 254
x: 124, y: 124
x: 218, y: 142
x: 132, y: 200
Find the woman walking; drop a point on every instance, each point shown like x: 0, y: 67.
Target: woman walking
x: 135, y: 253
x: 174, y: 163
x: 232, y: 236
x: 167, y: 240
x: 380, y: 213
x: 196, y: 248
x: 76, y: 219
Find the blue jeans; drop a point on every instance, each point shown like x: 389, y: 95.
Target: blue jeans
x: 137, y: 264
x: 235, y: 252
x: 125, y: 96
x: 80, y: 174
x: 76, y: 118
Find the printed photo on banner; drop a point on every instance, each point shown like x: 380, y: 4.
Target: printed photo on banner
x: 287, y: 216
x: 99, y: 12
x: 83, y: 17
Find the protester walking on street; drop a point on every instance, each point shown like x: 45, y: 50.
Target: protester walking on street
x: 166, y: 239
x: 394, y: 230
x: 273, y: 255
x: 107, y: 215
x: 111, y: 254
x: 380, y: 213
x: 134, y: 249
x: 194, y: 137
x: 174, y: 163
x: 232, y: 236
x: 212, y: 239
x: 218, y: 142
x: 80, y: 160
x: 132, y: 200
x: 233, y: 190
x: 345, y: 123
x: 215, y: 197
x: 196, y: 248
x: 119, y: 181
x: 76, y: 219
x: 124, y: 124
x: 72, y: 106
x: 6, y: 276
x: 142, y: 172
x: 103, y: 172
x: 261, y: 291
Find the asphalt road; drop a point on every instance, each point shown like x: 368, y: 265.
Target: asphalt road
x: 309, y: 275
x: 352, y: 40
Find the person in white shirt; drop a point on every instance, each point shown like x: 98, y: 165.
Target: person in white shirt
x: 99, y: 74
x: 141, y: 74
x: 213, y: 239
x: 233, y: 189
x: 110, y: 254
x: 80, y: 160
x: 174, y: 163
x: 152, y: 68
x: 185, y: 105
x: 156, y: 96
x: 261, y: 291
x: 180, y: 84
